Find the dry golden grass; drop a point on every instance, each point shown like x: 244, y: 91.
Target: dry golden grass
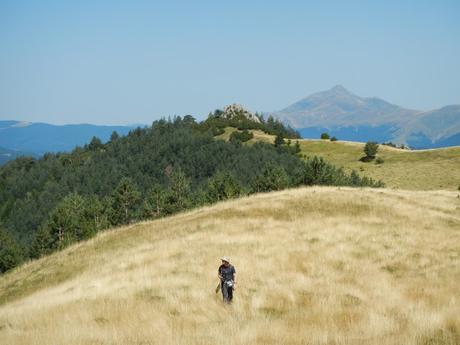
x: 226, y: 135
x: 262, y: 136
x: 258, y: 135
x: 315, y: 265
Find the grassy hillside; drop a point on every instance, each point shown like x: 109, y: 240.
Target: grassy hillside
x: 405, y: 169
x: 258, y: 135
x: 316, y: 266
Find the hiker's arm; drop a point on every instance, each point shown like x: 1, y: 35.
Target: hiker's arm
x: 218, y: 274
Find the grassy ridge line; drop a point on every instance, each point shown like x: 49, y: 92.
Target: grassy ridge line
x: 430, y: 169
x: 346, y: 265
x: 406, y: 169
x: 384, y: 147
x: 258, y: 135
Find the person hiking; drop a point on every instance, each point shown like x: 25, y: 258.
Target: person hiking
x: 227, y: 276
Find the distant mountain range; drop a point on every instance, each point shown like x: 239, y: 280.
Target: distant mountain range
x: 6, y: 155
x: 350, y: 117
x: 336, y: 111
x: 34, y: 139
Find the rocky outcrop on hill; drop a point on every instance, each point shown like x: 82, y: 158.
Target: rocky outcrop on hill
x: 235, y: 110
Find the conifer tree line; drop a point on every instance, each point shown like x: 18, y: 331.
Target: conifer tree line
x: 216, y: 123
x: 174, y: 165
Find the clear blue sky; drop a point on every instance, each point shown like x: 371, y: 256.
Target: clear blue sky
x: 120, y: 62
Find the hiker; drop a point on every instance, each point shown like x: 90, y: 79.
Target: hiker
x: 227, y: 276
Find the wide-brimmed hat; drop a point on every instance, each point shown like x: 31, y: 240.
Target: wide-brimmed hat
x: 225, y: 258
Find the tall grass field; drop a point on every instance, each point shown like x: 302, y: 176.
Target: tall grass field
x: 319, y: 265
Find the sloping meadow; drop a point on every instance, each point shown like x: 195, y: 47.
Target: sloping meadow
x: 319, y: 265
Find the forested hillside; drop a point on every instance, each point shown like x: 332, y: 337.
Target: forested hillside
x: 173, y: 165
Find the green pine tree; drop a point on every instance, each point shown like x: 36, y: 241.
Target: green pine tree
x: 96, y: 215
x: 114, y: 136
x: 95, y: 144
x: 155, y: 202
x: 370, y: 149
x: 279, y: 140
x: 10, y: 252
x: 67, y: 222
x: 273, y: 177
x: 179, y: 193
x: 222, y: 186
x: 42, y: 243
x: 125, y: 199
x: 297, y: 147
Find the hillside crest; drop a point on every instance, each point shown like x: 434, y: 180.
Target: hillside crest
x: 348, y: 266
x: 233, y: 111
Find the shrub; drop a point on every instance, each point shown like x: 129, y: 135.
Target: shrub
x: 333, y: 139
x: 217, y: 131
x: 325, y: 136
x: 379, y: 160
x: 297, y: 147
x: 316, y: 171
x: 279, y: 140
x: 41, y: 244
x: 10, y: 252
x: 370, y: 149
x: 389, y: 144
x: 242, y: 136
x: 222, y: 186
x: 402, y: 146
x: 273, y: 177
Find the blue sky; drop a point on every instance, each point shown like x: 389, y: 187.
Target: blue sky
x: 120, y: 62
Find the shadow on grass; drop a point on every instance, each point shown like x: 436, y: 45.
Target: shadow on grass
x: 366, y: 159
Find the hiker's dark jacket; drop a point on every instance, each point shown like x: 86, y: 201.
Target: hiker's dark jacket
x: 227, y: 272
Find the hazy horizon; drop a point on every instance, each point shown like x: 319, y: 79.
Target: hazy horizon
x: 199, y: 117
x: 133, y: 62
